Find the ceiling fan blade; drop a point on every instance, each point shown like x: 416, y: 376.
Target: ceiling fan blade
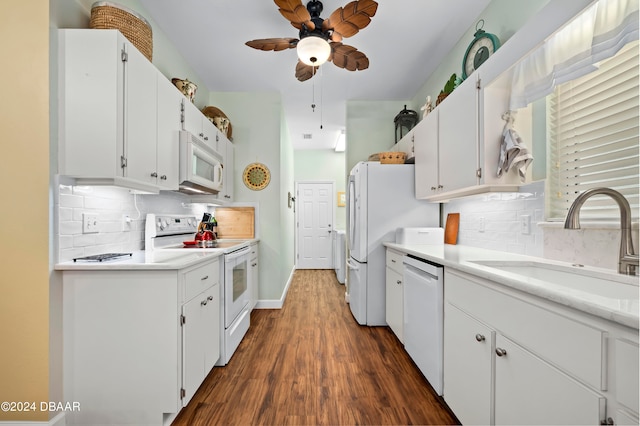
x: 274, y: 44
x: 348, y: 57
x: 304, y: 72
x: 295, y: 12
x: 348, y: 20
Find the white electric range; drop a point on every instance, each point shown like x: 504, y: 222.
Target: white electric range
x: 168, y: 232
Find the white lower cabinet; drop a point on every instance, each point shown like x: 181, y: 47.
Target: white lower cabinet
x: 510, y: 358
x: 395, y: 294
x: 468, y: 367
x: 138, y: 343
x: 531, y: 391
x: 254, y: 274
x: 200, y: 347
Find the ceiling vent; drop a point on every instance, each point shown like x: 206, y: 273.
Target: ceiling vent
x: 307, y: 136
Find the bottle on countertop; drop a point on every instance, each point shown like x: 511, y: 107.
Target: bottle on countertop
x: 214, y: 226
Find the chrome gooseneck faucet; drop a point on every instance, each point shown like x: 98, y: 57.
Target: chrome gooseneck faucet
x: 628, y: 260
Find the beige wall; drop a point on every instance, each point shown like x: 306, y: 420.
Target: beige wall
x: 24, y: 227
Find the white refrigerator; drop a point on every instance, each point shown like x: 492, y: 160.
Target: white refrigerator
x: 380, y: 198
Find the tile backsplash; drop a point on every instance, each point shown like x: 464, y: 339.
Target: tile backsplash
x: 501, y: 215
x: 111, y: 205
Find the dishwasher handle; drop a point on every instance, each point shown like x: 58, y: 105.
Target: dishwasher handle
x: 423, y: 266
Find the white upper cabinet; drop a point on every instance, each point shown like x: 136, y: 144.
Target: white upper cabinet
x: 198, y: 124
x: 108, y: 124
x: 446, y: 145
x: 169, y: 126
x: 459, y: 141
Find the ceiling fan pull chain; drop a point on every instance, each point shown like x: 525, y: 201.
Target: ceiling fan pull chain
x: 313, y: 92
x: 321, y: 86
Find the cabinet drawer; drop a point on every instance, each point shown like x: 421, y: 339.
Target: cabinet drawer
x: 627, y: 377
x: 199, y: 279
x: 394, y: 260
x: 573, y: 346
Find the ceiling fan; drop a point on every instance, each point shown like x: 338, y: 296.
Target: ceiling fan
x: 320, y: 40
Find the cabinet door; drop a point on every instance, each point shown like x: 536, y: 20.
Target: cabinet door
x: 468, y: 365
x: 168, y: 127
x: 140, y: 116
x: 394, y: 303
x: 458, y: 138
x: 254, y: 274
x: 193, y: 347
x: 229, y: 169
x: 211, y: 328
x: 192, y: 118
x: 530, y: 391
x: 212, y: 135
x: 426, y: 153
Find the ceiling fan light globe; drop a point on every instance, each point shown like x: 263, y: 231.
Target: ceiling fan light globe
x: 313, y: 50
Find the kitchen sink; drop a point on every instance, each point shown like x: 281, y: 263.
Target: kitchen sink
x: 578, y: 278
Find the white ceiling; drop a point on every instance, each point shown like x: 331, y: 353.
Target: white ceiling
x: 405, y: 42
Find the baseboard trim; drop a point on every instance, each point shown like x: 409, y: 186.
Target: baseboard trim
x: 57, y: 420
x: 276, y: 303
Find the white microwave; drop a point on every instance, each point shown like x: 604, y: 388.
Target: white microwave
x: 200, y: 166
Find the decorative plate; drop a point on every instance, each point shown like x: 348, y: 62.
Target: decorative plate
x: 256, y: 176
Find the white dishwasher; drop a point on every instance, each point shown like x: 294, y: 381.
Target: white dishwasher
x: 424, y: 318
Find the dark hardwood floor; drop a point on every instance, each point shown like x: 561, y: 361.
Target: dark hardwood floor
x: 310, y: 363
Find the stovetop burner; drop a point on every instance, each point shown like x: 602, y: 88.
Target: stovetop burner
x: 101, y: 257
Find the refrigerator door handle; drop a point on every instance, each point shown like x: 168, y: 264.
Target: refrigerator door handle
x: 351, y: 202
x: 352, y: 265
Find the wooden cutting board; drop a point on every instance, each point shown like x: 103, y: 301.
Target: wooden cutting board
x: 235, y: 222
x: 451, y: 228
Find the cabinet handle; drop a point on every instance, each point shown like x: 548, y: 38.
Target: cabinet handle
x: 163, y: 177
x: 393, y: 261
x: 398, y: 282
x: 227, y: 196
x: 609, y: 421
x: 501, y: 352
x: 154, y: 174
x: 433, y: 188
x: 210, y: 298
x: 203, y: 303
x: 217, y: 139
x: 254, y: 264
x: 206, y: 277
x: 440, y: 186
x: 480, y: 337
x: 201, y: 135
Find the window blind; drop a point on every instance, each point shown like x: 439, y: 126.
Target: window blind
x: 593, y: 134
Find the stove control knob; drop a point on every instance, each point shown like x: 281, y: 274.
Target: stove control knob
x: 159, y: 224
x: 165, y: 223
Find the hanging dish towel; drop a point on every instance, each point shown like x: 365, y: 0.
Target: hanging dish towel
x: 513, y: 152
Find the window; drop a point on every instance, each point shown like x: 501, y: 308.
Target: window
x: 593, y: 138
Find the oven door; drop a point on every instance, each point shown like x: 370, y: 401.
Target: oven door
x: 236, y: 291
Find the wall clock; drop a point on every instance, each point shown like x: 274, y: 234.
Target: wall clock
x: 256, y: 176
x: 484, y: 44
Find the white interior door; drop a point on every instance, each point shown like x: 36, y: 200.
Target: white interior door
x: 315, y: 225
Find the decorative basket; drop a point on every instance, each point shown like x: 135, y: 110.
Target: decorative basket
x: 394, y: 157
x: 108, y: 16
x: 213, y: 113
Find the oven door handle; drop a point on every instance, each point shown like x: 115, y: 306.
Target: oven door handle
x: 236, y: 254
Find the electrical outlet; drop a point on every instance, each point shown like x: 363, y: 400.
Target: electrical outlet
x: 90, y: 223
x: 481, y: 224
x: 127, y: 223
x: 525, y: 224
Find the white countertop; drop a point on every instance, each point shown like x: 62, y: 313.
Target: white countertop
x: 622, y: 311
x: 140, y: 260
